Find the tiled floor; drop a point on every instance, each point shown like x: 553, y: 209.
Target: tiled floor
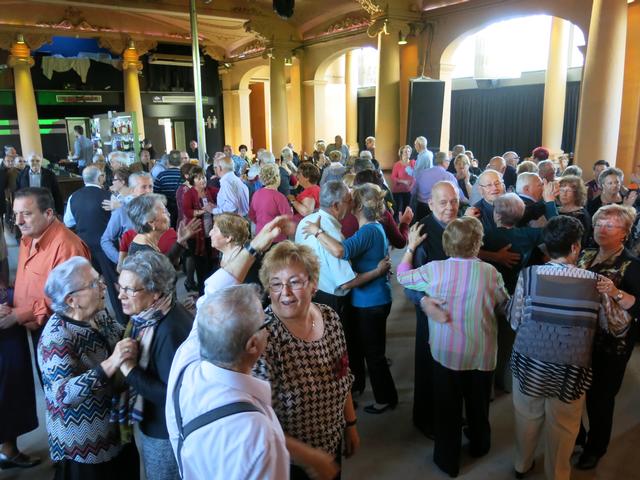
x: 392, y: 449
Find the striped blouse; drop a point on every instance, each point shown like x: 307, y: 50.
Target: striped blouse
x: 472, y: 290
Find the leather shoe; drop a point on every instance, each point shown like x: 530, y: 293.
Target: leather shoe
x: 18, y: 461
x: 587, y: 461
x: 524, y: 474
x: 378, y: 410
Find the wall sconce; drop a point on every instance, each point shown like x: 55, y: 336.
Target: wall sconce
x: 288, y: 61
x: 20, y: 39
x: 402, y: 39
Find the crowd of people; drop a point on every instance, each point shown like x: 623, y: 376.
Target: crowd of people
x: 523, y: 277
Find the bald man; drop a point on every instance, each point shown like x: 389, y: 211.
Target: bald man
x: 509, y: 174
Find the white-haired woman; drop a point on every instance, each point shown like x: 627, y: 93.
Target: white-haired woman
x: 611, y: 182
x: 268, y: 203
x: 158, y: 325
x: 79, y: 353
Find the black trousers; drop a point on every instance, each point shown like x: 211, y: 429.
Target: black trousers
x: 403, y: 200
x: 451, y: 388
x: 126, y: 466
x: 423, y: 377
x: 608, y: 372
x: 342, y: 306
x: 371, y: 331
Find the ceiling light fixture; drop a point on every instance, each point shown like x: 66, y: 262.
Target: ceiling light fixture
x: 402, y: 39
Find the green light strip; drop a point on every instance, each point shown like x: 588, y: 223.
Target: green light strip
x: 50, y: 121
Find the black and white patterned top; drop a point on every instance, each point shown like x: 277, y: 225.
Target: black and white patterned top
x: 310, y: 381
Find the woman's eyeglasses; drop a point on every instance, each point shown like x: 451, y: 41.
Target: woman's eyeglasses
x: 94, y: 284
x: 128, y: 291
x: 295, y: 285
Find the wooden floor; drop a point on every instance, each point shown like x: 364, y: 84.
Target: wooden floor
x: 393, y: 450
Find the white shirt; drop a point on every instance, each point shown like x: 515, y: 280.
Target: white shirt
x: 247, y: 445
x: 333, y: 271
x: 233, y: 196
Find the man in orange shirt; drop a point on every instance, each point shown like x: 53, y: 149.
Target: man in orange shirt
x: 45, y: 243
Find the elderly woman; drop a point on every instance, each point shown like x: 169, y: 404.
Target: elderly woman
x: 465, y: 347
x: 611, y: 183
x: 79, y: 353
x: 402, y: 179
x: 287, y: 169
x: 158, y: 326
x: 464, y: 176
x: 309, y: 199
x: 611, y: 226
x: 268, y: 203
x: 527, y: 166
x: 197, y: 204
x: 508, y: 210
x: 372, y: 301
x: 305, y: 361
x: 572, y: 199
x: 151, y: 222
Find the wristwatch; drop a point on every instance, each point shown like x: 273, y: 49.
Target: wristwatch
x: 319, y: 232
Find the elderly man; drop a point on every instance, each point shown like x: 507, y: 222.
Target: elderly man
x: 547, y: 170
x: 593, y: 187
x: 233, y: 196
x: 82, y: 148
x: 424, y: 157
x: 184, y: 158
x: 45, y: 243
x: 35, y: 175
x: 339, y: 146
x: 159, y: 166
x: 115, y: 161
x: 427, y: 178
x: 444, y: 204
x: 509, y: 174
x: 139, y: 183
x: 168, y: 182
x: 239, y: 164
x: 512, y: 158
x: 529, y: 188
x: 84, y: 213
x: 193, y: 149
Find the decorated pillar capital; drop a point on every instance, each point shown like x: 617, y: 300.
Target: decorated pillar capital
x: 20, y: 53
x: 131, y: 57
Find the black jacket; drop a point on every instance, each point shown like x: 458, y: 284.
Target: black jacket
x: 47, y: 180
x: 151, y: 383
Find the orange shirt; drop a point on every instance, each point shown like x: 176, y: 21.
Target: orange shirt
x: 56, y: 245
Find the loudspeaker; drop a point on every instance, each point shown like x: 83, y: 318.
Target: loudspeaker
x: 426, y: 98
x: 284, y: 8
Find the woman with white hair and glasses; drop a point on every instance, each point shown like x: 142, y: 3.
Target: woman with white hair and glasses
x: 79, y: 353
x: 158, y: 326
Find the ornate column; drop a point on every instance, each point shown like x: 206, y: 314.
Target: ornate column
x: 351, y: 103
x: 21, y: 61
x: 446, y: 75
x: 131, y: 65
x: 294, y: 109
x: 388, y: 98
x: 278, y: 94
x: 555, y: 86
x: 601, y: 95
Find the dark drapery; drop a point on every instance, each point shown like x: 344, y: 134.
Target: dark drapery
x: 366, y: 119
x: 492, y: 121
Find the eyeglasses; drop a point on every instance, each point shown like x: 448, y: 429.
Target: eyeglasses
x: 128, y: 291
x: 98, y: 282
x: 567, y: 189
x: 267, y: 321
x: 608, y: 226
x: 295, y: 285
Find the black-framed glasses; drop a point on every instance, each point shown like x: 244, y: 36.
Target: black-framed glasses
x: 128, y: 291
x: 296, y: 284
x: 94, y: 284
x: 267, y: 321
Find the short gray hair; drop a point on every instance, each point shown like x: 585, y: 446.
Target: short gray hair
x: 572, y: 170
x: 226, y: 320
x: 421, y: 141
x: 224, y: 163
x: 488, y: 172
x: 287, y: 154
x: 508, y: 209
x: 62, y: 281
x: 524, y: 179
x: 610, y: 171
x: 133, y: 178
x: 91, y: 174
x: 366, y: 154
x: 440, y: 158
x: 332, y: 192
x: 545, y: 164
x: 119, y: 156
x: 155, y: 271
x: 140, y: 210
x: 266, y: 157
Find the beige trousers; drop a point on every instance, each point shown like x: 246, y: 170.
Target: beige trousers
x: 561, y: 422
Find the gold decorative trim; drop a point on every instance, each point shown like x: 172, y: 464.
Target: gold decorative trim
x: 372, y: 7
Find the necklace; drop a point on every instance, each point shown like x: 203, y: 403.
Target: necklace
x: 608, y: 257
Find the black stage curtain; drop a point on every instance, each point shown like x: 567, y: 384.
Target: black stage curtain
x: 366, y: 119
x: 492, y: 121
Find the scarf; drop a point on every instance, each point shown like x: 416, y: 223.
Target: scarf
x: 128, y: 405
